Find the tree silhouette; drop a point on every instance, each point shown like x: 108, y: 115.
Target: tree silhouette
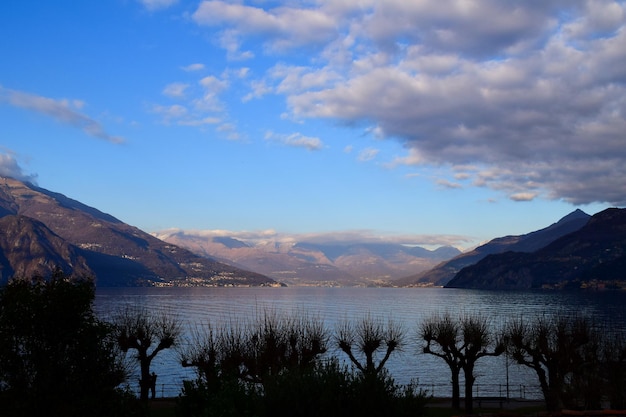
x: 148, y: 334
x: 275, y: 365
x: 56, y: 357
x: 614, y: 369
x: 553, y: 347
x: 367, y: 337
x: 256, y: 350
x: 460, y: 343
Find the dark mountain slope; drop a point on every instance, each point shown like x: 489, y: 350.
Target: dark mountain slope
x: 28, y: 248
x: 118, y: 254
x: 444, y: 272
x: 596, y: 252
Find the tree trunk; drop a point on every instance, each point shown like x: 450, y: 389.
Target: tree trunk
x: 550, y: 388
x: 144, y: 382
x: 456, y: 390
x: 469, y: 396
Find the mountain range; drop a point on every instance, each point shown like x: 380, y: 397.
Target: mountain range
x: 320, y: 262
x: 590, y: 257
x: 530, y: 242
x: 41, y: 230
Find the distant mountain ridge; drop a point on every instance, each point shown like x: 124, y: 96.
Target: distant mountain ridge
x: 42, y: 229
x: 592, y: 255
x: 530, y: 242
x: 314, y: 263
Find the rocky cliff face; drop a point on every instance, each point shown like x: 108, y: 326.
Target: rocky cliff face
x: 67, y: 233
x: 591, y: 256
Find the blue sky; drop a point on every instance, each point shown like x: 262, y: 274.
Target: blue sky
x: 424, y: 122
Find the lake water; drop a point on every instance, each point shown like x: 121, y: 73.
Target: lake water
x: 405, y: 306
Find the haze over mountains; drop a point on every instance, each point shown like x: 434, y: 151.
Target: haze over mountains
x: 42, y: 230
x: 314, y: 262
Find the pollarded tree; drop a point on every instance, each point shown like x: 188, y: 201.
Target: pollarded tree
x: 460, y: 343
x: 148, y: 334
x: 367, y: 338
x: 442, y: 335
x: 271, y: 354
x: 256, y: 350
x: 205, y: 352
x: 556, y: 348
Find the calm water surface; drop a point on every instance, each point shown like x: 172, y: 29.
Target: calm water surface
x: 406, y: 306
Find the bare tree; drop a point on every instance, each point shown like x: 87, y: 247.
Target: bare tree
x: 367, y: 338
x: 148, y: 334
x: 460, y: 343
x: 205, y: 353
x: 253, y: 351
x: 555, y: 348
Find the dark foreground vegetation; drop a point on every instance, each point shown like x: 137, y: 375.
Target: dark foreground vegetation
x: 58, y: 359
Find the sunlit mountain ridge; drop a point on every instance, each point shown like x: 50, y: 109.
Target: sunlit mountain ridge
x: 43, y: 230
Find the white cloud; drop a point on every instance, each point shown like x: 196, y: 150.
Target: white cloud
x: 297, y: 79
x: 199, y: 104
x: 9, y: 167
x: 285, y: 27
x: 193, y: 67
x: 297, y: 140
x: 523, y: 196
x: 368, y: 154
x: 444, y: 183
x: 173, y: 113
x: 64, y: 111
x: 532, y: 93
x: 600, y: 18
x: 414, y: 158
x: 175, y: 90
x: 242, y: 72
x: 180, y: 115
x: 232, y: 44
x: 200, y: 122
x: 230, y: 130
x: 259, y: 89
x: 154, y: 5
x: 209, y: 100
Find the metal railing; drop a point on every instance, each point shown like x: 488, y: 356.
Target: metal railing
x: 524, y: 392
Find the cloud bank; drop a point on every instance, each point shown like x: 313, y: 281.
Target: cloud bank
x: 339, y: 238
x: 527, y: 98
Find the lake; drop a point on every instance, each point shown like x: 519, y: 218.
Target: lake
x: 405, y: 306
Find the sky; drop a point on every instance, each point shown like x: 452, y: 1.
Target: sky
x: 424, y: 122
